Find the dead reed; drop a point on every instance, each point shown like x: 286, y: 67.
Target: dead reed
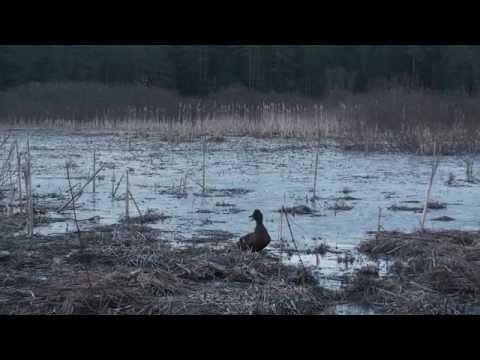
x: 435, y: 163
x: 127, y: 191
x: 28, y: 189
x: 19, y: 176
x: 394, y: 120
x: 434, y: 272
x: 152, y: 278
x: 80, y: 192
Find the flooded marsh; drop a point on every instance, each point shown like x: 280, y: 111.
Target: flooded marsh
x: 201, y: 193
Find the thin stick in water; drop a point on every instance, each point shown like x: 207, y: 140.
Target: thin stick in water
x: 19, y: 176
x: 135, y: 203
x: 72, y: 196
x: 379, y: 225
x: 94, y: 164
x: 28, y: 189
x: 435, y: 163
x: 293, y: 239
x: 81, y: 190
x: 118, y: 185
x: 79, y: 237
x: 315, y: 177
x: 126, y: 198
x: 204, y: 151
x: 113, y: 183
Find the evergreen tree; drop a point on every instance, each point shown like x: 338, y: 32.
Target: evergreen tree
x: 203, y: 69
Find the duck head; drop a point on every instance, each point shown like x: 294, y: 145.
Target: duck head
x: 257, y: 216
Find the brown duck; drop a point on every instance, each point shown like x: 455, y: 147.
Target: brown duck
x: 257, y: 240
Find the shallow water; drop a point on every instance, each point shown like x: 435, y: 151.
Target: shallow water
x: 352, y: 309
x: 264, y: 174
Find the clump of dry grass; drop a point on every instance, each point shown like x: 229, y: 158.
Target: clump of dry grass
x: 133, y: 270
x: 451, y: 179
x: 436, y: 205
x: 434, y: 272
x: 150, y: 216
x: 432, y: 205
x: 297, y: 210
x: 321, y: 249
x: 443, y: 218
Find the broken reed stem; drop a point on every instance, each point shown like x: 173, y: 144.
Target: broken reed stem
x: 27, y: 207
x: 204, y: 150
x: 135, y: 203
x: 280, y: 239
x: 94, y: 164
x: 184, y: 185
x: 429, y: 188
x: 118, y: 185
x: 6, y: 165
x: 379, y: 225
x: 317, y: 154
x: 73, y: 203
x: 12, y: 192
x: 113, y: 183
x: 126, y: 198
x: 293, y: 239
x: 469, y: 170
x: 28, y: 190
x: 315, y: 177
x: 19, y: 176
x: 30, y: 195
x: 81, y: 190
x: 10, y: 203
x: 80, y: 242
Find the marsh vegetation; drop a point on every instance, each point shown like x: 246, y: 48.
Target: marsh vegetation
x: 124, y: 186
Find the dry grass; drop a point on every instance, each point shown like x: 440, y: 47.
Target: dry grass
x: 150, y: 216
x: 134, y: 271
x: 433, y: 272
x: 394, y: 120
x: 432, y: 205
x: 297, y: 210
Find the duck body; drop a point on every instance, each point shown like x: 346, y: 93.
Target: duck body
x: 259, y: 239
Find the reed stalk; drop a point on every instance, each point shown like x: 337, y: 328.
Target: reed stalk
x: 19, y: 176
x: 94, y: 165
x: 435, y: 163
x: 127, y: 215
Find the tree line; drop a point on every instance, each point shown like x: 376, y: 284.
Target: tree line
x: 200, y: 70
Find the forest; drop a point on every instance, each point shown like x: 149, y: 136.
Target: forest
x: 200, y: 70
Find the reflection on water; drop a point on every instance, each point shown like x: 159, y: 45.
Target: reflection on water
x: 351, y: 309
x: 247, y: 174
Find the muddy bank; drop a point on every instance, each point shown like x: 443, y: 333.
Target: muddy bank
x: 136, y: 270
x: 431, y: 272
x: 17, y: 222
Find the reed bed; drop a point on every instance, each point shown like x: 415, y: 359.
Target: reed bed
x: 431, y: 272
x: 397, y: 119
